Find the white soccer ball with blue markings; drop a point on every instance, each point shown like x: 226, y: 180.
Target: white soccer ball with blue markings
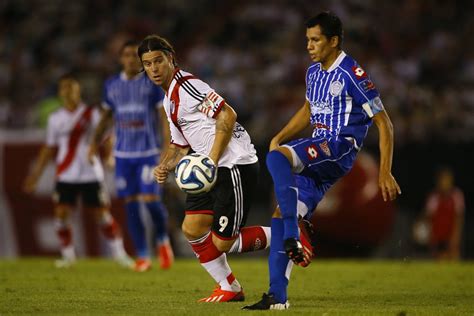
x: 195, y: 173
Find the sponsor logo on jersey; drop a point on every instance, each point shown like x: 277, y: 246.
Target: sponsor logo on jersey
x: 335, y: 88
x: 359, y: 72
x: 321, y: 126
x: 182, y: 121
x: 377, y: 104
x: 131, y: 108
x: 312, y: 152
x: 325, y: 148
x: 366, y: 85
x: 238, y: 131
x: 322, y: 107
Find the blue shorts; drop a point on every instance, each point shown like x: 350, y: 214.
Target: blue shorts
x: 318, y: 164
x: 135, y: 176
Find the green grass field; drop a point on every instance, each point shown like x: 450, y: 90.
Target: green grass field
x: 100, y: 287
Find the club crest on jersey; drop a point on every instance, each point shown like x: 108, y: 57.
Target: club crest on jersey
x: 206, y: 106
x: 312, y: 152
x: 335, y: 88
x: 325, y: 148
x: 359, y: 72
x: 172, y: 106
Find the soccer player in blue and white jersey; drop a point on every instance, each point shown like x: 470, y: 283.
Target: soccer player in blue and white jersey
x: 341, y: 104
x: 134, y: 104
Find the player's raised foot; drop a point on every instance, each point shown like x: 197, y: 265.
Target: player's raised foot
x: 125, y: 261
x: 268, y: 301
x: 142, y: 265
x: 307, y: 241
x: 165, y: 255
x: 64, y: 263
x: 220, y: 296
x: 294, y: 250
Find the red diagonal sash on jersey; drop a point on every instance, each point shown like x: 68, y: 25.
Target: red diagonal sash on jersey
x: 74, y: 138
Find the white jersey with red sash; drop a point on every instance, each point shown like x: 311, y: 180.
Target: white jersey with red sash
x: 192, y: 107
x: 71, y: 132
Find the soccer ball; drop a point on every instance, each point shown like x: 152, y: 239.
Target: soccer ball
x: 195, y: 173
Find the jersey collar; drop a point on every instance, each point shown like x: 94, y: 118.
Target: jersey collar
x: 123, y: 76
x: 337, y: 62
x: 176, y: 70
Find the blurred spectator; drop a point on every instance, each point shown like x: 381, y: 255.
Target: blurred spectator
x: 423, y: 72
x: 443, y: 218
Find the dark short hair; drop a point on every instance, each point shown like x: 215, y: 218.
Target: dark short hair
x: 129, y: 43
x: 155, y: 42
x: 330, y: 25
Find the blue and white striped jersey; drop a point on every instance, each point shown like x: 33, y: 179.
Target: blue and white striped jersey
x: 134, y: 103
x: 342, y: 99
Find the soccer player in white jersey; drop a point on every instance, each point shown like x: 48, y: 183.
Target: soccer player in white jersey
x: 133, y: 103
x: 341, y: 104
x: 201, y: 120
x: 69, y: 133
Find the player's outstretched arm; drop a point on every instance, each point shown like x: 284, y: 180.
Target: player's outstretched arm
x: 225, y: 122
x: 45, y: 155
x: 104, y: 124
x: 387, y: 182
x: 297, y: 123
x: 169, y: 160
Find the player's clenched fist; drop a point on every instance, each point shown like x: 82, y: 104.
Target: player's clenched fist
x: 160, y: 173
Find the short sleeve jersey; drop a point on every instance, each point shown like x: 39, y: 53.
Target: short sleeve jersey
x: 134, y: 104
x: 343, y: 99
x: 192, y: 107
x: 71, y: 132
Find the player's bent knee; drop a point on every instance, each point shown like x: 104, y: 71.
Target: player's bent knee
x: 275, y: 156
x: 62, y: 211
x: 192, y: 230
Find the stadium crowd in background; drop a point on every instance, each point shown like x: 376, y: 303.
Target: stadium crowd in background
x: 420, y: 65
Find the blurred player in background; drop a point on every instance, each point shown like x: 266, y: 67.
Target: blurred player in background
x: 341, y: 103
x: 69, y: 132
x: 134, y: 104
x: 444, y: 212
x: 201, y: 120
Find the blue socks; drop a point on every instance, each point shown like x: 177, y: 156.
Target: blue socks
x: 159, y: 215
x: 285, y: 191
x: 278, y: 263
x: 136, y: 228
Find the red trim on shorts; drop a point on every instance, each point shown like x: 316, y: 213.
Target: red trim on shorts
x: 193, y: 212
